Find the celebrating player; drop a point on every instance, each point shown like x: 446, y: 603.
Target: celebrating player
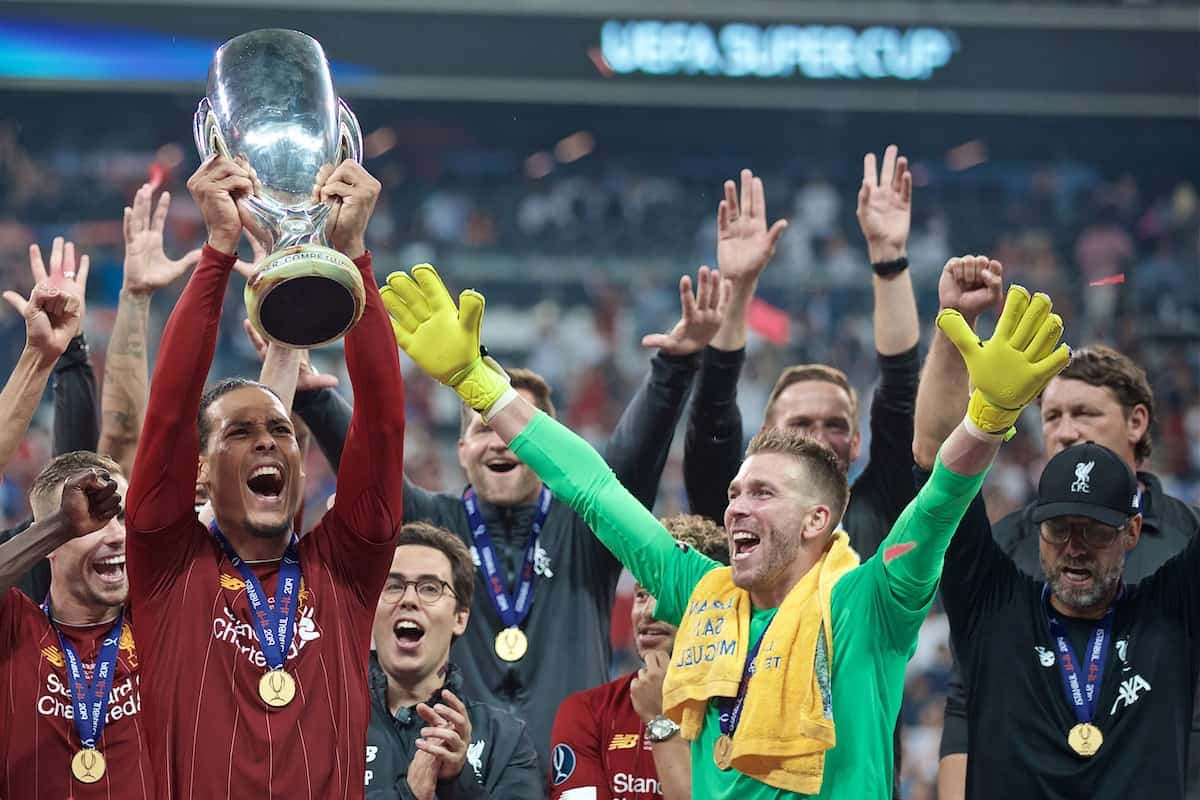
x: 833, y: 669
x: 255, y: 643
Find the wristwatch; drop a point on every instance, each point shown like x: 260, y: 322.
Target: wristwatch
x: 660, y: 729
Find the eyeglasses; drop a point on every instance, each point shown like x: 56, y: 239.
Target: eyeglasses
x: 429, y: 590
x: 1093, y: 534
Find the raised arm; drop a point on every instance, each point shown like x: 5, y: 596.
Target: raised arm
x: 162, y: 488
x: 444, y: 342
x: 371, y: 474
x: 968, y: 285
x: 1008, y: 372
x: 76, y: 401
x: 641, y: 442
x: 126, y: 370
x: 52, y: 315
x: 884, y: 215
x: 713, y: 447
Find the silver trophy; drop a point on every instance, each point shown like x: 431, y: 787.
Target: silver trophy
x: 271, y: 105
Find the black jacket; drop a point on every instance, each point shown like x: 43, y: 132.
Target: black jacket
x: 569, y: 624
x: 1168, y: 526
x: 501, y: 760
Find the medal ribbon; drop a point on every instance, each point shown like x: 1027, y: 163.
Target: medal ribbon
x: 90, y: 699
x: 1084, y: 698
x: 275, y: 620
x: 731, y: 707
x: 512, y: 609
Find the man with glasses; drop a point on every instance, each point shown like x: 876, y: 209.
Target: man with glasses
x: 425, y: 739
x: 1081, y: 686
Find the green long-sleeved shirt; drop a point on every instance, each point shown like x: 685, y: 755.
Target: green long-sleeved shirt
x: 877, y: 607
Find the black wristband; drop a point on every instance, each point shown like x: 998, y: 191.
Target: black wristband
x: 885, y: 268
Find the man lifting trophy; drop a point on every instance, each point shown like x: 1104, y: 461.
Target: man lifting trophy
x: 271, y: 105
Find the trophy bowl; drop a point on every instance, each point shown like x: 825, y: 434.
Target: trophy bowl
x: 271, y: 105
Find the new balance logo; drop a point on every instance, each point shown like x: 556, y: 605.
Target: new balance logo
x: 624, y: 741
x: 1130, y: 692
x: 1045, y: 657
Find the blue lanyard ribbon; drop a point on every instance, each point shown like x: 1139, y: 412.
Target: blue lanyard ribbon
x: 90, y: 700
x: 274, y: 620
x: 513, y: 609
x: 731, y: 707
x: 1083, y: 695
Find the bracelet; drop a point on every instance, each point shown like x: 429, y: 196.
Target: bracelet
x: 887, y: 268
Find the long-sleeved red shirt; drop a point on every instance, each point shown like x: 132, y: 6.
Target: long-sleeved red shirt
x: 211, y: 735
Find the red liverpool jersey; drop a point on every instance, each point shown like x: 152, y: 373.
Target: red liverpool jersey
x: 211, y: 736
x: 36, y: 713
x: 599, y: 751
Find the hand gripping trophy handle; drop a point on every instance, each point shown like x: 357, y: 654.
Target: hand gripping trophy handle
x: 271, y: 106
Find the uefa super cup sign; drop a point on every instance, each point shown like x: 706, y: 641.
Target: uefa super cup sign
x: 271, y: 105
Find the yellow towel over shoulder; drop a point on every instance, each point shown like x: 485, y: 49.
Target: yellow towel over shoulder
x: 787, y: 721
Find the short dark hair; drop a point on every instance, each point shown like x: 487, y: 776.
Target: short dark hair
x: 1102, y: 366
x: 519, y: 378
x: 814, y: 372
x: 47, y: 486
x: 214, y: 393
x: 824, y: 470
x: 699, y: 533
x: 462, y: 567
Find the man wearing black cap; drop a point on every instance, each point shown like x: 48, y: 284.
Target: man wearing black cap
x: 1081, y: 686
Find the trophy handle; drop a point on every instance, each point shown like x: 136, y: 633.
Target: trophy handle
x: 213, y: 137
x: 350, y: 134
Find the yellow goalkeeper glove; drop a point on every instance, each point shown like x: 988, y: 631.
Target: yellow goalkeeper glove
x: 443, y: 340
x: 1009, y: 370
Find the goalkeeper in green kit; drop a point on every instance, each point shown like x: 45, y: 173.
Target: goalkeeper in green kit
x: 788, y: 668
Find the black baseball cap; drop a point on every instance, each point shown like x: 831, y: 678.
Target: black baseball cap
x: 1087, y: 480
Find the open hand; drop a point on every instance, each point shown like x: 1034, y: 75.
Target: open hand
x: 744, y: 243
x: 1009, y: 370
x: 89, y: 501
x: 885, y: 205
x: 971, y: 285
x: 147, y: 267
x: 701, y: 317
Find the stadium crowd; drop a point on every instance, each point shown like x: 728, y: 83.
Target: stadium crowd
x: 1120, y: 264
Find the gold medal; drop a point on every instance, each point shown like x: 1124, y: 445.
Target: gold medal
x: 1085, y: 739
x: 723, y: 751
x: 277, y: 688
x: 511, y: 644
x: 88, y: 765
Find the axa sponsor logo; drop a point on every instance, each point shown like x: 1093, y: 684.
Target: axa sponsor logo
x: 233, y: 631
x: 124, y: 699
x: 1129, y: 692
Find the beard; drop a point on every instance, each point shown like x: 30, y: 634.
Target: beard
x: 1104, y: 582
x: 269, y: 531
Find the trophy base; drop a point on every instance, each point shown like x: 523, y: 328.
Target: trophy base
x: 305, y: 296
